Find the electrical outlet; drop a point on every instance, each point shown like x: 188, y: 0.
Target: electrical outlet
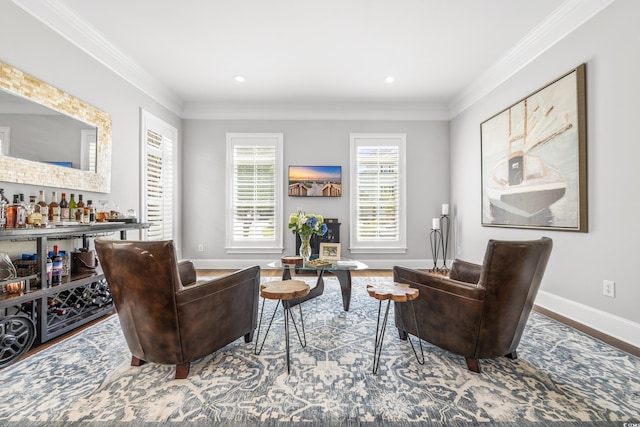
x: 609, y: 288
x: 200, y: 247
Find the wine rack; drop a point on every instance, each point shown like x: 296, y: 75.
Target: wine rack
x: 67, y: 308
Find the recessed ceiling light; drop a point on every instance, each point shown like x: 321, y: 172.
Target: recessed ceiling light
x: 240, y: 79
x: 390, y: 79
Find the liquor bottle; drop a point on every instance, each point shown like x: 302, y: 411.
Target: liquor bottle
x: 49, y: 269
x: 73, y: 208
x: 12, y: 212
x: 34, y: 219
x: 54, y: 208
x: 80, y: 210
x: 64, y: 208
x: 3, y: 198
x: 4, y: 202
x: 74, y: 301
x: 56, y: 306
x: 56, y: 276
x: 21, y: 213
x: 43, y: 209
x: 92, y: 211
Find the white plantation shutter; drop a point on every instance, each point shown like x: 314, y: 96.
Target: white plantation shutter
x: 93, y: 155
x: 5, y: 137
x: 378, y: 201
x: 377, y: 211
x: 158, y: 198
x: 88, y: 149
x: 254, y: 192
x: 254, y: 198
x: 159, y: 177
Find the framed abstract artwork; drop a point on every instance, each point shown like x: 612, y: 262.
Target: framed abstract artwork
x: 534, y: 159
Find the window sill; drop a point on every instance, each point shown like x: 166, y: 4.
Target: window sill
x: 257, y: 250
x: 377, y: 250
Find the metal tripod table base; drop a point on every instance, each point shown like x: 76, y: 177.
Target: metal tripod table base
x: 283, y: 291
x: 400, y: 293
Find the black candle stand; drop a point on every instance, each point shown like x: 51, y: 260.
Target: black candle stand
x: 439, y: 239
x: 435, y: 237
x: 444, y: 233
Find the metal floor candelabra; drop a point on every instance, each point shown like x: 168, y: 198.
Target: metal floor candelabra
x: 439, y: 239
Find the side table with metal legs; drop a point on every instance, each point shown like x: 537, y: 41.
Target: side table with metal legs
x: 400, y: 293
x: 283, y: 291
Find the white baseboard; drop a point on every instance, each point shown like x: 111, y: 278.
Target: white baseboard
x: 607, y: 323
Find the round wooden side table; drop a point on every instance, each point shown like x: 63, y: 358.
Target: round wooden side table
x: 283, y: 291
x: 399, y: 293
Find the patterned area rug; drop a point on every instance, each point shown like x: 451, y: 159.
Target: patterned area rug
x: 562, y: 377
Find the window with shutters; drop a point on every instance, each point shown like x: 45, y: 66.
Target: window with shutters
x: 5, y: 134
x: 378, y: 214
x: 254, y: 192
x: 88, y: 149
x: 158, y: 177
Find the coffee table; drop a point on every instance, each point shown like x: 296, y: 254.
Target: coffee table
x: 342, y: 273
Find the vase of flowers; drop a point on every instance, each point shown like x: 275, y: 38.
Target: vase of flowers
x: 306, y: 225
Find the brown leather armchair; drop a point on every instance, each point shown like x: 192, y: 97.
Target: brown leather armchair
x: 479, y: 311
x: 166, y: 316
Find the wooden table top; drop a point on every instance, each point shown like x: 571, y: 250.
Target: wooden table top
x: 284, y: 289
x: 397, y: 292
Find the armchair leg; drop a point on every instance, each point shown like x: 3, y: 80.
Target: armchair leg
x: 182, y: 370
x: 248, y: 337
x: 137, y: 362
x: 473, y: 364
x: 513, y: 355
x: 402, y: 334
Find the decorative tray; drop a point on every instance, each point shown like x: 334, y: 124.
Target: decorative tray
x: 318, y: 263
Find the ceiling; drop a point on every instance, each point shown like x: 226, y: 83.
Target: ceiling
x: 304, y: 55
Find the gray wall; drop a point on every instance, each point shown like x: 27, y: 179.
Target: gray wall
x: 35, y: 49
x: 310, y: 143
x: 609, y: 44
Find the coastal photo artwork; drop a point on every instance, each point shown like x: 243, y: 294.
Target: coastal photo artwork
x: 534, y: 168
x: 315, y: 181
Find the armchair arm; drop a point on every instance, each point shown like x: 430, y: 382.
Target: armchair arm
x: 214, y: 313
x: 205, y: 288
x: 187, y: 272
x: 448, y: 311
x: 442, y: 284
x: 465, y: 271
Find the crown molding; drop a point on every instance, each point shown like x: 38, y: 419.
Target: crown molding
x: 69, y: 25
x: 566, y: 19
x: 205, y: 111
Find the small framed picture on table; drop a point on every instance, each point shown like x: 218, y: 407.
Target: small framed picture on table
x: 330, y: 251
